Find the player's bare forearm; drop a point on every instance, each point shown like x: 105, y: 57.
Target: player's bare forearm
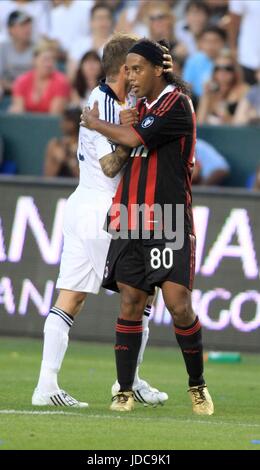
x: 123, y: 135
x: 120, y: 134
x: 112, y: 163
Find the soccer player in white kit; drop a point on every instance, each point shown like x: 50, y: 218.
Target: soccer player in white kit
x: 86, y: 243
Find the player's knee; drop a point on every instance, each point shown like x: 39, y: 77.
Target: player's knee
x: 79, y: 299
x: 181, y: 313
x: 132, y: 307
x: 76, y: 303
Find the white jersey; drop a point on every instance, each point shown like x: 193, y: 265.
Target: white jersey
x: 92, y: 146
x: 86, y: 242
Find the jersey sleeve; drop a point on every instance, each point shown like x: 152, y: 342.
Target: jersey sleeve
x: 106, y: 107
x: 102, y: 145
x: 168, y: 122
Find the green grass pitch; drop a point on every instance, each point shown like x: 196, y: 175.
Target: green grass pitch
x: 88, y: 373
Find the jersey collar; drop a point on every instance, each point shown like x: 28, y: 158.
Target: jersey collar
x: 167, y: 89
x: 106, y: 89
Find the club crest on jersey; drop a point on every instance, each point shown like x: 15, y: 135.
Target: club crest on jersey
x: 147, y: 122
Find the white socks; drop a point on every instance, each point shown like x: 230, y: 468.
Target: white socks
x: 56, y: 338
x: 145, y: 337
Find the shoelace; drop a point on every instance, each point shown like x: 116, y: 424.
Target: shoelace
x: 121, y: 397
x: 199, y: 395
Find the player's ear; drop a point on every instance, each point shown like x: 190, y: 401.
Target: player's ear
x: 123, y: 70
x: 158, y: 70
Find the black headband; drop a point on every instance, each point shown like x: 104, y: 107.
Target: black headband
x: 150, y: 51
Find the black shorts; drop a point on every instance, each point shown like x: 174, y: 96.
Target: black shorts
x: 144, y: 264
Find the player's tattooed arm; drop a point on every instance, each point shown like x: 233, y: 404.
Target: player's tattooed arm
x: 112, y: 163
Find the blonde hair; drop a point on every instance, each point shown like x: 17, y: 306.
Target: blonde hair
x: 165, y: 7
x: 227, y: 54
x: 115, y: 52
x: 45, y: 45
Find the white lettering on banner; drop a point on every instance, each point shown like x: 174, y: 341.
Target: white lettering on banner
x: 218, y: 308
x: 230, y: 316
x: 237, y: 223
x: 2, y: 243
x: 235, y: 311
x: 6, y: 295
x: 29, y: 292
x: 27, y: 214
x: 226, y: 317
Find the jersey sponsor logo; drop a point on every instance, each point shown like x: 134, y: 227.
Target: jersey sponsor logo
x: 147, y: 122
x: 140, y: 151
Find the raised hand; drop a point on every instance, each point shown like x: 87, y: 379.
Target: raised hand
x: 89, y: 116
x: 128, y: 117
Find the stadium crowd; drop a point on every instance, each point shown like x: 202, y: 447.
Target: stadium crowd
x: 50, y: 61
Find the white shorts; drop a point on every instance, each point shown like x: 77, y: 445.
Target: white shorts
x: 86, y: 243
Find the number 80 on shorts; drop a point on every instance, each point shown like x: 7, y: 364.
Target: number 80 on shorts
x: 161, y: 258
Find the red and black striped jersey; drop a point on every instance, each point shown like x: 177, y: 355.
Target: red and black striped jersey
x: 159, y: 171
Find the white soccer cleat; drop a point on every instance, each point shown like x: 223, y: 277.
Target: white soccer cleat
x: 144, y: 393
x: 60, y: 398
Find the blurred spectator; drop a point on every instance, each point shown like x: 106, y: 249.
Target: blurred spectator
x: 116, y: 6
x: 199, y: 67
x: 179, y: 7
x: 161, y: 22
x: 245, y: 26
x: 211, y: 168
x: 218, y: 10
x: 87, y: 78
x: 43, y: 89
x: 248, y: 110
x: 223, y: 93
x: 61, y: 154
x: 101, y: 29
x: 16, y: 53
x: 161, y: 26
x: 133, y: 18
x: 69, y: 21
x: 189, y: 29
x: 36, y: 9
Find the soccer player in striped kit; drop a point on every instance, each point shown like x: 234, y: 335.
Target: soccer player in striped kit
x: 85, y: 242
x: 159, y: 251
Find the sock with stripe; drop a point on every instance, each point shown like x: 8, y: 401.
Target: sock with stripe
x: 145, y: 336
x: 56, y: 338
x: 190, y: 342
x: 128, y: 342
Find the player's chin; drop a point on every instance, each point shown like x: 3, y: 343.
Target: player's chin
x: 139, y: 93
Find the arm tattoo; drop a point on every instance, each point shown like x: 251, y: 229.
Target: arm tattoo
x: 112, y: 163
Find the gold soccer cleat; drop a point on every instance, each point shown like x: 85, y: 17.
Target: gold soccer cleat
x: 123, y: 401
x: 202, y: 403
